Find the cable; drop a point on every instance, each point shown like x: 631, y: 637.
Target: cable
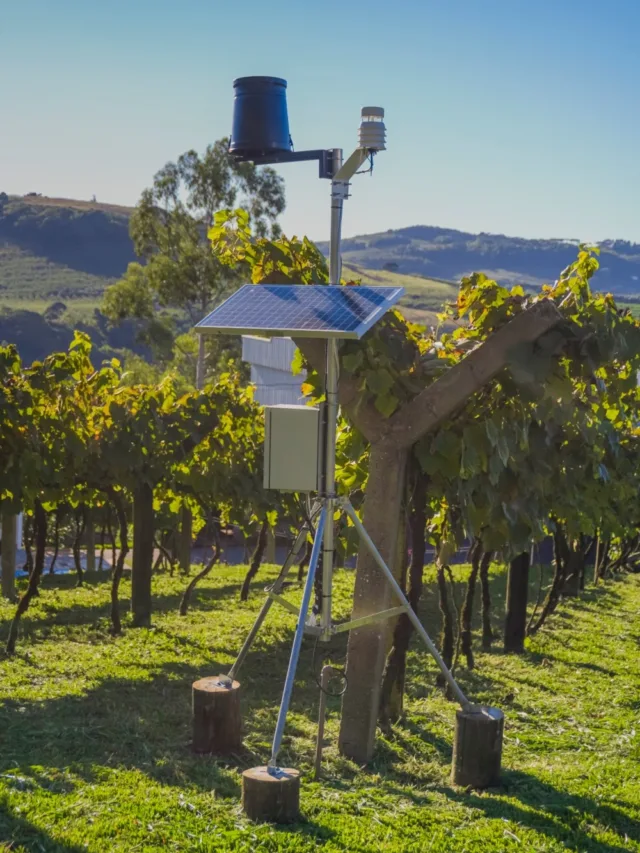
x: 368, y: 171
x: 338, y: 670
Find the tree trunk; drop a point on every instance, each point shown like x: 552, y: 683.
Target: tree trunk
x: 103, y: 540
x: 304, y: 562
x: 604, y: 559
x: 143, y: 536
x: 112, y: 534
x: 573, y: 571
x: 118, y: 565
x: 515, y: 625
x: 40, y: 524
x: 200, y: 364
x: 466, y: 616
x: 256, y: 560
x: 487, y: 632
x: 367, y: 646
x: 27, y: 536
x: 186, y: 598
x: 90, y: 540
x: 185, y: 539
x: 56, y: 541
x: 561, y: 554
x: 9, y: 545
x: 80, y: 521
x: 446, y: 633
x: 393, y: 680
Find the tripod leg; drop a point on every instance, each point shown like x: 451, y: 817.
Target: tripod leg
x: 264, y: 610
x: 417, y: 624
x: 297, y: 639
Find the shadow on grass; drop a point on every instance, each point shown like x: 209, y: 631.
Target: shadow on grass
x: 145, y: 723
x: 122, y: 723
x: 15, y: 830
x: 559, y: 815
x: 34, y: 625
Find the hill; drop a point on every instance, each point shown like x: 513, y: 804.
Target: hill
x: 57, y: 256
x: 442, y: 253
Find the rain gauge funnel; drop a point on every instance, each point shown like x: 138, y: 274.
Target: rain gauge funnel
x: 260, y: 120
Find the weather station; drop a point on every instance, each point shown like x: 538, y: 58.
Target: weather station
x: 300, y: 441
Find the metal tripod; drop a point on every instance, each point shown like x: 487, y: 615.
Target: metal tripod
x: 324, y: 510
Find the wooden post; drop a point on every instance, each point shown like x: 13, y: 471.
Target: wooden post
x: 477, y: 750
x: 322, y: 715
x: 90, y: 535
x: 270, y: 551
x: 9, y: 542
x: 271, y: 795
x: 217, y: 721
x: 368, y: 646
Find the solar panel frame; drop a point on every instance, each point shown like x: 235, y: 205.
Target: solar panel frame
x: 344, y: 322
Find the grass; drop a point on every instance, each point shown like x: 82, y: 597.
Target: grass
x: 95, y: 733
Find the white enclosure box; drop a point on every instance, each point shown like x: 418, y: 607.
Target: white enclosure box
x: 292, y: 448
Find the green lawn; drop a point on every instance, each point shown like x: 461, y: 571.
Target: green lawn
x: 95, y: 734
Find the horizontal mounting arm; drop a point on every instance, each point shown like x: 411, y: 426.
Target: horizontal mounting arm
x: 324, y: 157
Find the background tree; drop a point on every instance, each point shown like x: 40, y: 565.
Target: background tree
x: 168, y: 228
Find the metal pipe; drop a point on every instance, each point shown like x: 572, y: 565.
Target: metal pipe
x: 297, y: 640
x: 331, y: 390
x: 335, y: 236
x: 369, y: 619
x: 322, y: 713
x: 266, y: 607
x: 417, y: 624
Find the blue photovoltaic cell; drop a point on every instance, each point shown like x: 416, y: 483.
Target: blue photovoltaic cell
x: 314, y: 311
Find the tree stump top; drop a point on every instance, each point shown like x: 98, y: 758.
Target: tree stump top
x: 482, y: 713
x: 277, y: 775
x: 215, y: 684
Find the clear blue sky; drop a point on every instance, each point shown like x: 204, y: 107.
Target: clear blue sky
x: 509, y: 116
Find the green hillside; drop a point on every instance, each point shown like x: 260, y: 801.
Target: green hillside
x: 424, y: 296
x: 58, y: 255
x: 444, y: 253
x: 56, y: 258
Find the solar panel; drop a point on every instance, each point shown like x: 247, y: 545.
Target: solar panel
x: 301, y: 310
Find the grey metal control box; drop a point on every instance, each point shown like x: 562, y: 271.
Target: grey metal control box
x: 292, y: 448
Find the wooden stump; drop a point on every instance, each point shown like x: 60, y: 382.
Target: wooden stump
x: 271, y: 795
x: 217, y: 721
x: 477, y: 751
